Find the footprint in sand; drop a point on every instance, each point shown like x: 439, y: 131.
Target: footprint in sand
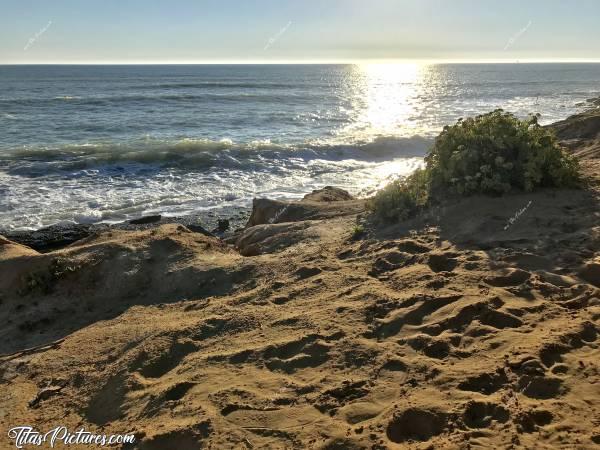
x: 415, y: 424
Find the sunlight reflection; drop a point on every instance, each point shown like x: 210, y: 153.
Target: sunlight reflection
x: 391, y: 170
x: 388, y: 89
x: 385, y: 97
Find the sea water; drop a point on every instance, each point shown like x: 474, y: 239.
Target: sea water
x: 92, y: 144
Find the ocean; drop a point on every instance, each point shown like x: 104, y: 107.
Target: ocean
x: 89, y: 144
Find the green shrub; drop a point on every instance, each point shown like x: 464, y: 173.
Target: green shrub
x: 402, y: 198
x: 357, y: 231
x: 493, y: 154
x: 496, y: 153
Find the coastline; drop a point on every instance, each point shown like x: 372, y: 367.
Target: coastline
x: 59, y: 236
x: 475, y: 324
x: 571, y: 131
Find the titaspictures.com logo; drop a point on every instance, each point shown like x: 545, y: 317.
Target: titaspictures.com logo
x: 28, y: 436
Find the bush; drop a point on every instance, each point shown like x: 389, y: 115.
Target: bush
x: 491, y: 154
x: 357, y: 231
x: 402, y: 198
x: 496, y: 153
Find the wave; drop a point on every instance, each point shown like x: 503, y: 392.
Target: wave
x: 105, y: 100
x: 204, y: 153
x: 216, y: 84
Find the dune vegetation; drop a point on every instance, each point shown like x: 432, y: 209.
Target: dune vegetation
x: 491, y: 154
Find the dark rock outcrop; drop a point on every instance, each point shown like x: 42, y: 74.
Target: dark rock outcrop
x: 59, y: 236
x: 146, y: 219
x: 53, y: 237
x: 223, y: 225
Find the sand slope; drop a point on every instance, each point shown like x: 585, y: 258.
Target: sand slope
x: 448, y: 331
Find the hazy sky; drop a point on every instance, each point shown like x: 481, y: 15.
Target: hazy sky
x: 296, y: 30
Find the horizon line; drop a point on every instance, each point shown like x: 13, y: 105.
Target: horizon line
x: 309, y: 62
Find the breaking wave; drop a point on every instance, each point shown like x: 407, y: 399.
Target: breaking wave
x: 198, y: 154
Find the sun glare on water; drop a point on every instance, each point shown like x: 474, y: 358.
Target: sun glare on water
x: 384, y: 99
x: 388, y: 90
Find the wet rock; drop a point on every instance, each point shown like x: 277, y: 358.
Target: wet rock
x: 146, y: 219
x: 197, y: 228
x: 53, y: 237
x: 223, y: 225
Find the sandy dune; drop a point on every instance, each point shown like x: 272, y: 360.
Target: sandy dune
x: 452, y: 330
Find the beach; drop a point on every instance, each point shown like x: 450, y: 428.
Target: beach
x: 473, y: 325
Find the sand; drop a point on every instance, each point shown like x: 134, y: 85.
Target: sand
x: 460, y: 329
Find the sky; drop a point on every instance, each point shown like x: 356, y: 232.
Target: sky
x: 245, y: 31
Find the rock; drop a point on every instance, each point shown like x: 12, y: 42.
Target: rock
x: 266, y: 211
x: 197, y: 228
x: 579, y: 126
x: 594, y: 101
x: 223, y: 225
x: 510, y: 277
x: 146, y: 219
x: 328, y: 194
x: 59, y: 236
x: 590, y: 272
x: 53, y: 237
x: 580, y: 133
